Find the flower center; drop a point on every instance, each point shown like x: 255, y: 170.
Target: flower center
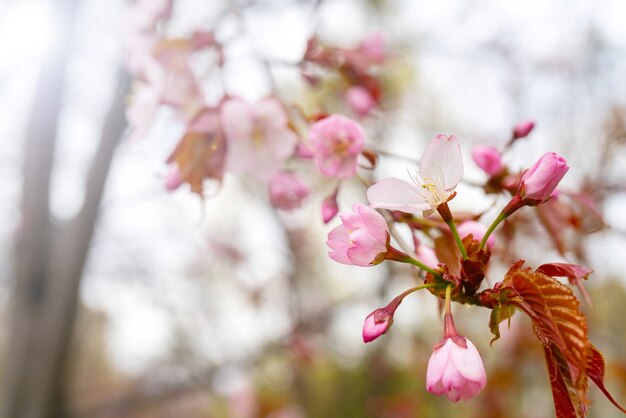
x: 257, y: 137
x: 340, y: 146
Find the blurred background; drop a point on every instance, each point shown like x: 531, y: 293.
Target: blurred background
x: 119, y: 299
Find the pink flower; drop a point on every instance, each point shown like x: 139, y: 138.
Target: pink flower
x: 376, y: 324
x: 373, y: 48
x: 330, y: 207
x: 287, y: 191
x: 336, y: 142
x: 361, y: 240
x: 487, y: 158
x: 477, y: 229
x: 455, y: 369
x: 440, y: 170
x: 360, y: 100
x: 539, y: 181
x: 522, y: 129
x: 259, y: 140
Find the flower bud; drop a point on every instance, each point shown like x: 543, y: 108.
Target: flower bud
x: 539, y: 182
x: 487, y: 158
x: 522, y: 129
x: 376, y: 324
x: 455, y: 369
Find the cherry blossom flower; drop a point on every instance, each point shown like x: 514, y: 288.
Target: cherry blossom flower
x: 440, y: 170
x: 360, y: 100
x: 455, y: 369
x: 376, y: 324
x: 287, y: 191
x: 361, y: 240
x: 477, y: 230
x: 259, y: 139
x: 337, y: 142
x: 488, y: 158
x: 540, y: 181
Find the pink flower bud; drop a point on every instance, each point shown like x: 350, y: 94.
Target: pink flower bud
x: 522, y: 129
x: 330, y: 207
x: 360, y: 100
x: 455, y: 369
x: 376, y: 324
x: 477, y: 230
x: 173, y: 179
x: 539, y: 181
x: 337, y: 142
x: 287, y: 191
x: 487, y: 158
x: 362, y: 238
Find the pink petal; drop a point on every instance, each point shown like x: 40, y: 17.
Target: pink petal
x: 395, y: 194
x: 443, y: 155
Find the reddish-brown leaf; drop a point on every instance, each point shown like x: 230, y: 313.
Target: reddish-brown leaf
x: 595, y: 371
x: 201, y: 152
x: 562, y: 388
x: 556, y: 316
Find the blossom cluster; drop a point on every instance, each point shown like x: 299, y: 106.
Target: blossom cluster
x: 271, y: 141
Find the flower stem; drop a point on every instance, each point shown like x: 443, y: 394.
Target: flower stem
x: 457, y: 239
x: 492, y: 227
x: 449, y: 330
x: 393, y: 305
x: 421, y: 265
x: 515, y: 203
x: 446, y: 215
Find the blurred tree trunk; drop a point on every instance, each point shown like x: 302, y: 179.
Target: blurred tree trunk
x: 51, y: 255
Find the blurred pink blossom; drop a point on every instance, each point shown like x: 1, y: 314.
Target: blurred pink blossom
x: 330, y: 207
x: 487, y: 158
x: 173, y: 179
x: 440, y: 170
x: 362, y: 238
x: 287, y: 191
x: 337, y: 142
x: 259, y: 139
x: 427, y: 255
x: 360, y: 100
x: 477, y: 229
x: 374, y: 47
x: 522, y: 129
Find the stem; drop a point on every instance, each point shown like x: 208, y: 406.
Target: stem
x: 457, y: 239
x: 515, y: 203
x: 502, y: 216
x: 393, y: 305
x: 449, y: 328
x: 421, y: 265
x: 446, y: 215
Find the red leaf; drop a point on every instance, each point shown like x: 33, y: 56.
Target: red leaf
x: 595, y: 371
x: 563, y: 404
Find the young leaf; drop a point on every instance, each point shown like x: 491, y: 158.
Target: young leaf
x: 595, y: 371
x: 563, y: 393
